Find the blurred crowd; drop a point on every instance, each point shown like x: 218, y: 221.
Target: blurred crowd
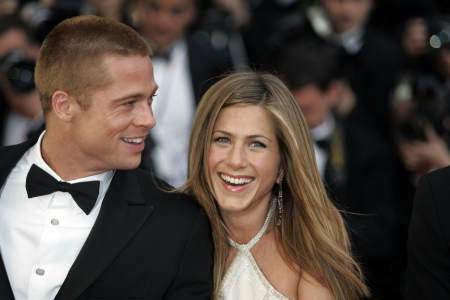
x: 372, y: 78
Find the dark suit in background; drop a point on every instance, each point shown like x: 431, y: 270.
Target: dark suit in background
x: 206, y: 63
x: 428, y: 272
x: 355, y: 161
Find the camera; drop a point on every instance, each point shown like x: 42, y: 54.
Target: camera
x: 18, y: 71
x: 440, y: 29
x: 429, y: 107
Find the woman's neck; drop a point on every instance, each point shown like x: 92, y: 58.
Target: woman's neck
x: 243, y: 226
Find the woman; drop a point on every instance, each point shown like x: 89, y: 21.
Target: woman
x: 251, y: 166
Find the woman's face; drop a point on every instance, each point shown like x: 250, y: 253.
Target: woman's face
x: 244, y: 159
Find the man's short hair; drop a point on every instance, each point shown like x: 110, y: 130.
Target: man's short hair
x: 309, y: 61
x: 71, y: 56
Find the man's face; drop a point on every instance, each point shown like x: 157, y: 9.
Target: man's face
x: 347, y: 15
x: 314, y: 104
x: 109, y: 133
x: 165, y: 21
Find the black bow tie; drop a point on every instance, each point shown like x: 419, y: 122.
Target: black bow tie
x: 323, y: 144
x: 41, y: 183
x: 163, y: 55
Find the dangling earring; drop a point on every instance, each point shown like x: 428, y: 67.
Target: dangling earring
x: 280, y: 202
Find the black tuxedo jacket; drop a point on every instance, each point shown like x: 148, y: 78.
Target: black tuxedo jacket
x: 145, y: 243
x: 206, y: 63
x: 428, y: 272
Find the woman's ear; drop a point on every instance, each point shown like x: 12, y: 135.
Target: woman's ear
x: 280, y: 176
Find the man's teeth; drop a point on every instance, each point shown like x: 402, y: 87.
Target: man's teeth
x: 235, y: 181
x: 133, y: 140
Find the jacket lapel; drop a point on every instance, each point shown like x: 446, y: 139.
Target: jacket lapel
x: 5, y: 287
x: 124, y: 211
x: 197, y: 71
x: 10, y: 156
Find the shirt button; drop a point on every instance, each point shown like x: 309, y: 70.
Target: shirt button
x: 54, y: 222
x: 40, y: 272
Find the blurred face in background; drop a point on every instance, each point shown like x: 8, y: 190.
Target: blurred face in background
x: 347, y: 15
x: 316, y: 104
x: 107, y: 8
x: 162, y: 22
x: 444, y: 61
x: 13, y: 39
x: 105, y: 4
x: 8, y: 7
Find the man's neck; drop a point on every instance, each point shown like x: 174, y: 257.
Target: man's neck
x: 58, y: 153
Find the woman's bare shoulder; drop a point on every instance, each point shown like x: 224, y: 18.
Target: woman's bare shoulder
x: 310, y: 288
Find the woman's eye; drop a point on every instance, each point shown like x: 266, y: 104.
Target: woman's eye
x: 257, y: 144
x: 221, y: 140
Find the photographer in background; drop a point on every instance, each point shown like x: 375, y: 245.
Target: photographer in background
x: 20, y: 110
x: 421, y: 107
x: 422, y: 125
x: 428, y: 252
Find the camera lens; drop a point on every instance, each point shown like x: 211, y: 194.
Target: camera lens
x: 21, y: 76
x: 19, y: 71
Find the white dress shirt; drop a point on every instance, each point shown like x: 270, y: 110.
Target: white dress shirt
x: 322, y: 131
x: 352, y: 41
x: 174, y: 107
x: 41, y: 237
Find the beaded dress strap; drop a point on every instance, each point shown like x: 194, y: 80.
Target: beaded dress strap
x: 257, y: 237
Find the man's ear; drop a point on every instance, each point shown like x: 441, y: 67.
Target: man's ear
x: 332, y: 93
x: 63, y: 105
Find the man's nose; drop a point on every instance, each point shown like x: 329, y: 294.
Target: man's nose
x: 145, y: 116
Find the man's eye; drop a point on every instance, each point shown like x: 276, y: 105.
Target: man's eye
x: 130, y: 103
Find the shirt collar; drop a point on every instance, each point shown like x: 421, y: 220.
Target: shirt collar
x: 36, y: 158
x: 324, y: 130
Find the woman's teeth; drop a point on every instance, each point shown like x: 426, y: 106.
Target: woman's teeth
x: 235, y: 180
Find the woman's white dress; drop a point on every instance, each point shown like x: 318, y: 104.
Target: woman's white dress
x: 243, y: 279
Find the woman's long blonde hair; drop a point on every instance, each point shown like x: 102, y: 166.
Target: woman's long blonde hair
x: 312, y: 234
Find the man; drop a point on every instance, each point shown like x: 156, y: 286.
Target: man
x: 366, y: 54
x: 354, y: 162
x: 186, y: 63
x: 428, y: 269
x: 77, y: 220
